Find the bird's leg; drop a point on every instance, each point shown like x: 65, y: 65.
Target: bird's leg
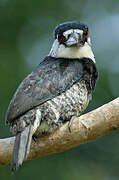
x: 70, y: 123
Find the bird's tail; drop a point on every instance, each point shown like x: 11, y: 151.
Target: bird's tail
x: 21, y: 147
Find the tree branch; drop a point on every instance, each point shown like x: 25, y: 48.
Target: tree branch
x: 84, y: 128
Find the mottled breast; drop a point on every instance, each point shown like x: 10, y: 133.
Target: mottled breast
x: 61, y: 108
x: 55, y: 112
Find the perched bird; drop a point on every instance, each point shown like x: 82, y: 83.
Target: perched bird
x: 59, y: 89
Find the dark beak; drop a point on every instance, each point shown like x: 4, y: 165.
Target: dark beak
x: 73, y: 40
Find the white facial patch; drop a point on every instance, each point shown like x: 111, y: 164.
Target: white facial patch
x: 78, y: 31
x: 89, y: 41
x: 60, y: 50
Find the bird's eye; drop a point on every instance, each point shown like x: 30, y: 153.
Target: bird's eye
x: 85, y: 34
x: 61, y: 37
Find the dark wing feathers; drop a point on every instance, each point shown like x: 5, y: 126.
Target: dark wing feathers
x: 52, y: 77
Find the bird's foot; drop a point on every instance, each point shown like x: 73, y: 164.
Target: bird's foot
x: 70, y: 123
x: 34, y: 138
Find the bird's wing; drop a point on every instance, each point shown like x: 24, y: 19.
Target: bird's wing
x: 52, y: 77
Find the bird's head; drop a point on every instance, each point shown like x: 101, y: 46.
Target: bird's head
x: 72, y: 34
x: 72, y: 41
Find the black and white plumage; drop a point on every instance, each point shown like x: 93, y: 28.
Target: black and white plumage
x: 58, y: 89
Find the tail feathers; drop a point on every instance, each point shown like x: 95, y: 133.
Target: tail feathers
x: 21, y: 147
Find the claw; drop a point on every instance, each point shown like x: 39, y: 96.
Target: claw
x: 34, y: 138
x: 70, y: 123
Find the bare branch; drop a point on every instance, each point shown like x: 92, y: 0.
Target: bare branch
x: 84, y: 128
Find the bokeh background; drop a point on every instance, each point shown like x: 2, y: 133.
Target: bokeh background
x: 26, y: 36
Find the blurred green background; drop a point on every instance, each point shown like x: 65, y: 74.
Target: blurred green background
x: 25, y: 38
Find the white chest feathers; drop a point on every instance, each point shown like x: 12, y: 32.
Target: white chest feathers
x: 59, y: 50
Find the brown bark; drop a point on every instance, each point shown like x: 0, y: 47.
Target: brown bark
x: 84, y: 128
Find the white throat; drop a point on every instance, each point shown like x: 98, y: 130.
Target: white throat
x: 59, y: 50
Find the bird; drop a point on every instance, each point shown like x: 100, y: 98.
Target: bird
x: 56, y: 91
